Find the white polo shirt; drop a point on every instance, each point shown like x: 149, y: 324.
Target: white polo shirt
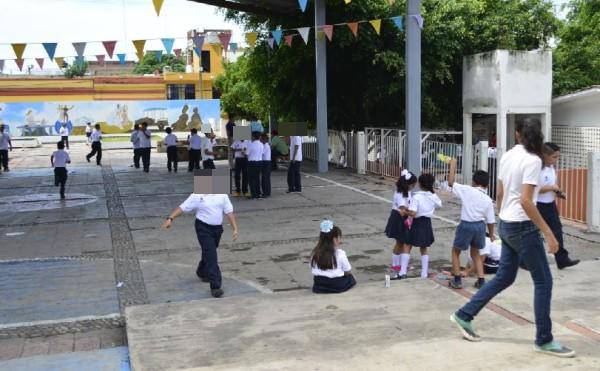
x: 343, y: 265
x: 255, y: 151
x: 240, y: 144
x: 195, y: 142
x: 477, y: 206
x: 491, y: 249
x: 145, y: 138
x: 88, y: 128
x: 96, y: 136
x: 295, y: 140
x: 517, y: 167
x: 170, y: 140
x: 134, y: 139
x: 400, y: 201
x: 547, y: 178
x: 64, y: 131
x: 424, y: 203
x: 207, y: 145
x: 209, y: 208
x: 61, y: 158
x: 4, y: 138
x: 266, y: 155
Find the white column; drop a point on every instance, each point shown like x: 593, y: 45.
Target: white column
x: 482, y: 159
x: 593, y: 197
x: 503, y: 132
x: 361, y: 156
x: 467, y: 148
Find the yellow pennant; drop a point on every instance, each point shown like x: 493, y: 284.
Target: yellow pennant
x: 376, y: 23
x: 251, y: 38
x: 347, y: 1
x: 320, y: 35
x: 139, y: 46
x: 157, y: 5
x: 140, y: 56
x: 59, y: 61
x: 391, y: 2
x: 19, y: 49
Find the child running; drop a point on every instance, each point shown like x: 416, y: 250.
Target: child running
x: 59, y: 160
x: 398, y: 224
x: 329, y: 264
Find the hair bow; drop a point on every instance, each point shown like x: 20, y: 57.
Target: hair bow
x: 406, y: 174
x: 326, y: 226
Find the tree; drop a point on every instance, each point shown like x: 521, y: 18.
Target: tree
x: 577, y: 55
x: 150, y: 63
x: 76, y: 70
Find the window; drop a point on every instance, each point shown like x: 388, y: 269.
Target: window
x: 205, y: 60
x: 181, y: 91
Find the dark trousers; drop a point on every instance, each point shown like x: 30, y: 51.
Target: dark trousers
x: 208, y: 164
x: 550, y: 214
x: 96, y: 150
x: 60, y: 179
x: 209, y: 237
x: 65, y: 140
x: 145, y: 152
x: 293, y: 177
x: 4, y: 158
x: 265, y: 178
x: 194, y: 159
x: 241, y: 168
x: 254, y: 177
x: 136, y: 157
x: 172, y: 157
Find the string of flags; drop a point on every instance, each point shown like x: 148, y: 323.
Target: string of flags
x: 304, y: 3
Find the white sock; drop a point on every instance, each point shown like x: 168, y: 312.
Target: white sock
x: 424, y: 266
x: 404, y: 259
x: 395, y: 260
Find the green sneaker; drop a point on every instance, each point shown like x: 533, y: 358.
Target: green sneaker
x: 554, y: 348
x: 465, y: 328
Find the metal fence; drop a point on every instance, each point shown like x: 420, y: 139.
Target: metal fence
x: 572, y: 179
x: 343, y: 148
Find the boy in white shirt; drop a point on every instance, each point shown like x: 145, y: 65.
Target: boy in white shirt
x: 265, y: 179
x: 208, y: 156
x: 96, y: 139
x: 195, y: 148
x: 135, y: 142
x: 5, y: 146
x: 240, y: 148
x: 64, y: 134
x: 145, y: 136
x: 59, y: 160
x: 88, y: 132
x: 255, y: 152
x: 293, y: 179
x: 171, y: 143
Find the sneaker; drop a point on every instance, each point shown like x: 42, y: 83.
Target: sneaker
x: 554, y: 348
x: 455, y: 284
x: 398, y: 277
x: 217, y: 293
x: 479, y: 284
x: 465, y: 328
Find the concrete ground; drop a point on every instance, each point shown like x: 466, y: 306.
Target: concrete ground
x: 71, y: 267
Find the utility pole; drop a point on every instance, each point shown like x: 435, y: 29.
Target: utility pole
x: 413, y: 87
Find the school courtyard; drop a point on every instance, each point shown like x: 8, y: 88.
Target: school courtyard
x: 93, y: 283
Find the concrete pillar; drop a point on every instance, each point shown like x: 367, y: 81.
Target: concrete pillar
x: 482, y: 159
x: 593, y: 197
x: 400, y: 148
x: 321, y: 75
x: 361, y: 155
x: 546, y: 119
x: 503, y: 133
x: 467, y: 147
x: 413, y: 87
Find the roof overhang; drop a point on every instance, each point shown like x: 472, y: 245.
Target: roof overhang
x: 260, y: 7
x: 584, y: 93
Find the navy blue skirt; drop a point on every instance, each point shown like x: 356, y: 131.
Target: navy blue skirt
x: 396, y: 228
x: 335, y: 285
x: 421, y: 232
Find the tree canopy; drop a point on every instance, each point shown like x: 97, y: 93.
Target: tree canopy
x: 150, y: 63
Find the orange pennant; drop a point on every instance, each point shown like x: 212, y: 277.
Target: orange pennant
x: 353, y: 26
x: 328, y: 30
x: 19, y: 49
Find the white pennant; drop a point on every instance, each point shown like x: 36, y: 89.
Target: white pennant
x: 304, y: 31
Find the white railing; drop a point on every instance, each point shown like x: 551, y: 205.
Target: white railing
x: 343, y: 148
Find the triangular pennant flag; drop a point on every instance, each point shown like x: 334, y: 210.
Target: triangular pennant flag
x: 320, y: 35
x: 198, y: 52
x: 157, y: 5
x: 328, y: 30
x: 19, y: 62
x: 139, y: 56
x: 50, y: 49
x: 353, y: 26
x: 271, y: 42
x: 399, y: 22
x: 225, y: 38
x: 60, y: 61
x: 1, y: 65
x: 251, y: 38
x: 376, y: 23
x: 79, y: 48
x: 277, y: 34
x: 303, y: 4
x: 391, y: 2
x: 100, y: 58
x: 110, y: 47
x: 347, y: 1
x: 40, y: 62
x: 19, y: 49
x: 158, y: 54
x: 121, y: 58
x: 419, y: 20
x: 79, y: 60
x: 168, y: 44
x: 289, y: 39
x: 139, y: 47
x: 177, y: 52
x: 304, y: 31
x: 198, y: 41
x: 233, y: 47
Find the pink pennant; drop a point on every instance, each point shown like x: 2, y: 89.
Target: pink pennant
x: 328, y: 29
x: 289, y: 39
x: 40, y: 62
x: 353, y: 26
x: 100, y: 58
x: 177, y: 52
x: 20, y: 62
x: 225, y: 38
x: 110, y: 47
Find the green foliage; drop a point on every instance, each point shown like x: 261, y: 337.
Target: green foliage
x: 366, y: 75
x: 76, y: 70
x: 150, y: 63
x: 577, y: 56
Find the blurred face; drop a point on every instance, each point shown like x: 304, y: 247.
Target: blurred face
x: 551, y: 160
x: 337, y: 241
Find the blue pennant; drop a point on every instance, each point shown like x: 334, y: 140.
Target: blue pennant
x: 277, y: 34
x: 121, y: 58
x: 399, y: 22
x: 50, y: 49
x: 168, y: 44
x: 303, y: 4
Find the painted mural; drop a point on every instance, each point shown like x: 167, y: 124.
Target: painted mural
x: 48, y: 118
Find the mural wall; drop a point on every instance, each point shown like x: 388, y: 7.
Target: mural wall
x: 47, y: 118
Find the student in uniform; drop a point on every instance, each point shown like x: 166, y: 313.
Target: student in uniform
x: 135, y: 142
x: 293, y: 176
x: 96, y: 139
x: 240, y: 148
x: 209, y: 209
x: 5, y: 146
x: 59, y: 160
x: 145, y: 145
x: 332, y: 272
x: 398, y: 224
x: 88, y: 132
x: 255, y: 152
x: 265, y: 183
x: 477, y: 211
x: 64, y: 134
x: 546, y: 203
x: 208, y: 156
x: 195, y: 148
x: 171, y: 143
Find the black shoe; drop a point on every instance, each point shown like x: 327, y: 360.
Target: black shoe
x: 217, y: 293
x: 87, y: 158
x: 62, y: 197
x: 169, y: 170
x: 398, y: 277
x: 568, y: 263
x: 202, y: 278
x: 455, y: 284
x: 479, y: 284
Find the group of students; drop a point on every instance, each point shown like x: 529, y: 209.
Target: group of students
x: 142, y: 146
x: 252, y: 166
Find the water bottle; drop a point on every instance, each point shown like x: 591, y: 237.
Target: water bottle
x: 387, y: 280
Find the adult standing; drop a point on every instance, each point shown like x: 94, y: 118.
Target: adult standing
x: 519, y: 227
x: 96, y: 139
x: 209, y: 209
x: 195, y: 149
x: 293, y: 175
x: 255, y: 153
x: 5, y: 146
x: 278, y: 149
x: 229, y: 129
x: 145, y: 136
x: 135, y: 142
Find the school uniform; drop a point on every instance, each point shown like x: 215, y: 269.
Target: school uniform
x: 265, y: 172
x: 209, y: 209
x: 4, y: 146
x: 135, y: 140
x: 397, y: 227
x: 476, y: 212
x: 64, y: 135
x: 145, y: 148
x: 333, y: 281
x: 60, y: 159
x: 255, y: 152
x: 424, y: 204
x: 293, y: 176
x: 195, y: 148
x: 171, y: 143
x: 491, y: 253
x: 208, y: 161
x: 241, y: 165
x: 96, y: 139
x: 88, y: 132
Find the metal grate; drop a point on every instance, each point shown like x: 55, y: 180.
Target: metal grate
x: 577, y: 142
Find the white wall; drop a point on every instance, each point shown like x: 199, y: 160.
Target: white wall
x: 481, y: 81
x: 526, y: 80
x: 579, y: 112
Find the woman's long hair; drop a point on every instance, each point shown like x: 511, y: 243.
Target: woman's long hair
x: 403, y: 184
x: 530, y: 132
x: 323, y: 255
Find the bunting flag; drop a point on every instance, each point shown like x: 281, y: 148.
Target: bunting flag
x: 398, y: 21
x: 121, y: 58
x: 157, y: 6
x: 79, y: 60
x: 251, y: 38
x: 60, y: 61
x: 225, y: 38
x: 277, y: 34
x: 347, y: 1
x: 233, y: 47
x: 40, y: 62
x: 391, y: 2
x: 110, y: 47
x: 168, y: 44
x: 19, y: 49
x: 198, y: 43
x: 139, y: 47
x: 376, y: 23
x: 303, y: 4
x: 19, y: 62
x: 100, y: 58
x: 158, y: 54
x: 419, y: 20
x: 139, y: 56
x: 304, y: 32
x: 328, y: 30
x: 1, y: 65
x: 271, y: 42
x: 289, y: 39
x: 320, y: 35
x: 50, y: 49
x: 177, y: 52
x: 79, y: 48
x: 353, y: 26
